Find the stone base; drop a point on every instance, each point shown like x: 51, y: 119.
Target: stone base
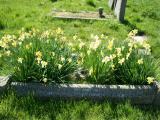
x: 137, y: 94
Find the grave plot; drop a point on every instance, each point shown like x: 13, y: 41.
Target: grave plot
x: 81, y: 15
x: 118, y: 7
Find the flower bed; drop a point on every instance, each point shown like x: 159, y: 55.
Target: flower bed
x: 50, y: 57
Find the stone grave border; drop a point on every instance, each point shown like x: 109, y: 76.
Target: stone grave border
x: 137, y: 94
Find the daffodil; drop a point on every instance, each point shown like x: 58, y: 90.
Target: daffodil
x: 53, y: 54
x: 39, y: 54
x: 14, y: 43
x: 106, y: 59
x: 59, y: 66
x: 88, y: 52
x: 112, y: 66
x: 91, y: 71
x: 110, y: 45
x: 140, y: 61
x: 119, y: 50
x: 94, y: 45
x: 45, y: 80
x: 81, y: 45
x: 44, y: 64
x: 8, y: 52
x: 150, y: 80
x: 62, y: 59
x: 69, y: 60
x: 20, y: 60
x: 121, y: 61
x: 127, y: 56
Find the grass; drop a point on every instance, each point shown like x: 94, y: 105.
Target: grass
x: 140, y: 14
x: 143, y: 15
x: 13, y: 107
x: 16, y: 14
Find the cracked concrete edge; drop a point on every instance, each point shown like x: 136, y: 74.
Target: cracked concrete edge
x: 4, y: 83
x: 157, y: 96
x: 137, y: 94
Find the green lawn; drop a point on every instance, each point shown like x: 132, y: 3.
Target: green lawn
x: 143, y: 15
x: 28, y: 108
x: 140, y: 14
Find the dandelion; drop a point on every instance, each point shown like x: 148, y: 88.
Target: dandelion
x: 150, y: 80
x: 140, y: 61
x: 44, y: 64
x: 110, y: 45
x: 63, y: 38
x: 20, y: 60
x: 59, y: 31
x: 121, y: 61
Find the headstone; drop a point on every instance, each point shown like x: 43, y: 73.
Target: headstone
x: 120, y: 9
x: 110, y: 3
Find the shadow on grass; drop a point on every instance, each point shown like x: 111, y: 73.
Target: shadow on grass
x: 132, y: 26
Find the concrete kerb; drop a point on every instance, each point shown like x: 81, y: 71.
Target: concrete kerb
x: 137, y: 94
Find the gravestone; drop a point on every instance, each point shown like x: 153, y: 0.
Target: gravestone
x: 119, y: 7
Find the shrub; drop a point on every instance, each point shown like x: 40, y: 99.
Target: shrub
x: 39, y: 56
x: 112, y: 62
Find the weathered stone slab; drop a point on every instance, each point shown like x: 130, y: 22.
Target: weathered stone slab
x: 80, y: 15
x: 120, y: 9
x: 3, y: 83
x: 137, y: 94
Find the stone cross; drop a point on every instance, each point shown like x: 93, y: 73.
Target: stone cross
x: 119, y: 8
